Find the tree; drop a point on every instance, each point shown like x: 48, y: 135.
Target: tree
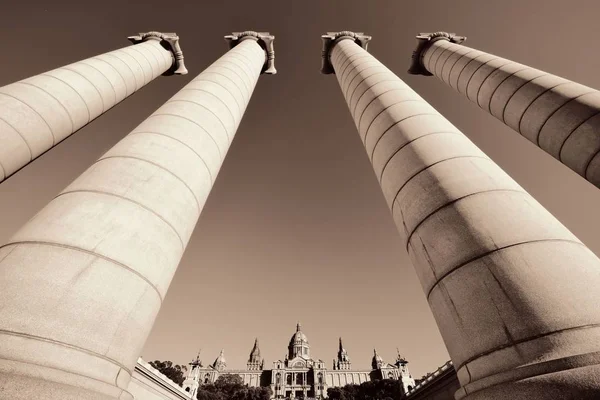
x: 229, y: 379
x: 387, y: 389
x: 259, y: 393
x: 209, y: 392
x: 229, y: 384
x: 231, y: 387
x: 336, y: 393
x: 351, y: 392
x: 173, y: 372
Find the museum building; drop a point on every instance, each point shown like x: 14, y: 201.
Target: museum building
x: 299, y: 376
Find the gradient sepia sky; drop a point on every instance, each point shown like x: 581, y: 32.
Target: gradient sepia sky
x: 296, y: 227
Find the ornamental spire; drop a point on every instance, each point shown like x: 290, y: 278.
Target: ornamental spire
x: 220, y: 363
x: 343, y: 361
x: 255, y: 353
x: 196, y: 362
x: 254, y: 361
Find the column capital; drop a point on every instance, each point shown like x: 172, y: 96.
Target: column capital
x: 170, y: 41
x: 424, y: 40
x: 329, y: 41
x: 264, y: 39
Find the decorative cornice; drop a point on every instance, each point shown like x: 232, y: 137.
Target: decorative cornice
x: 424, y: 41
x: 169, y: 41
x: 332, y: 38
x: 264, y: 39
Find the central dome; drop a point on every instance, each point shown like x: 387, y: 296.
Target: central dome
x: 299, y: 336
x: 299, y: 346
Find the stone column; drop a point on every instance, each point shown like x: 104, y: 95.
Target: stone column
x: 514, y: 293
x: 559, y: 116
x: 39, y: 112
x: 83, y: 280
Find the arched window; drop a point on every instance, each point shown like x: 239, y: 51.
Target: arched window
x: 390, y: 375
x: 187, y: 389
x: 409, y: 388
x: 278, y: 378
x: 320, y: 376
x: 206, y: 378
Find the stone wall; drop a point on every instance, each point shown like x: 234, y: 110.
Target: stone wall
x: 341, y: 378
x: 149, y: 384
x: 250, y: 378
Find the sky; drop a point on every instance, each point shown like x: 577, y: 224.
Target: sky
x: 296, y: 227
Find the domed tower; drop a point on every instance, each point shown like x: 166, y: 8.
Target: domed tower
x: 299, y: 346
x: 377, y: 361
x: 254, y: 361
x: 401, y: 363
x: 220, y: 364
x: 192, y: 382
x: 343, y: 361
x: 404, y: 375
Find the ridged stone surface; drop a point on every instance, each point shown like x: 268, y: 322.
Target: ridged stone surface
x: 39, y: 112
x: 557, y: 115
x: 83, y: 280
x: 514, y: 293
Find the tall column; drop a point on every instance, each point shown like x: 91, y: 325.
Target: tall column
x: 559, y: 116
x: 83, y: 280
x: 513, y: 292
x: 39, y: 112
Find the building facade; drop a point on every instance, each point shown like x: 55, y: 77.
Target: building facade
x: 298, y: 375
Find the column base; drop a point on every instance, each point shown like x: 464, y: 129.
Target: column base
x: 21, y: 387
x: 581, y: 383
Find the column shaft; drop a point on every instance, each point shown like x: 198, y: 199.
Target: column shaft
x: 39, y: 112
x: 514, y: 293
x: 83, y: 280
x: 559, y: 116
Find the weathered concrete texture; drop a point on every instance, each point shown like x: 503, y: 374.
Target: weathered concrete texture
x: 39, y: 112
x: 514, y: 293
x: 83, y: 280
x: 557, y: 115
